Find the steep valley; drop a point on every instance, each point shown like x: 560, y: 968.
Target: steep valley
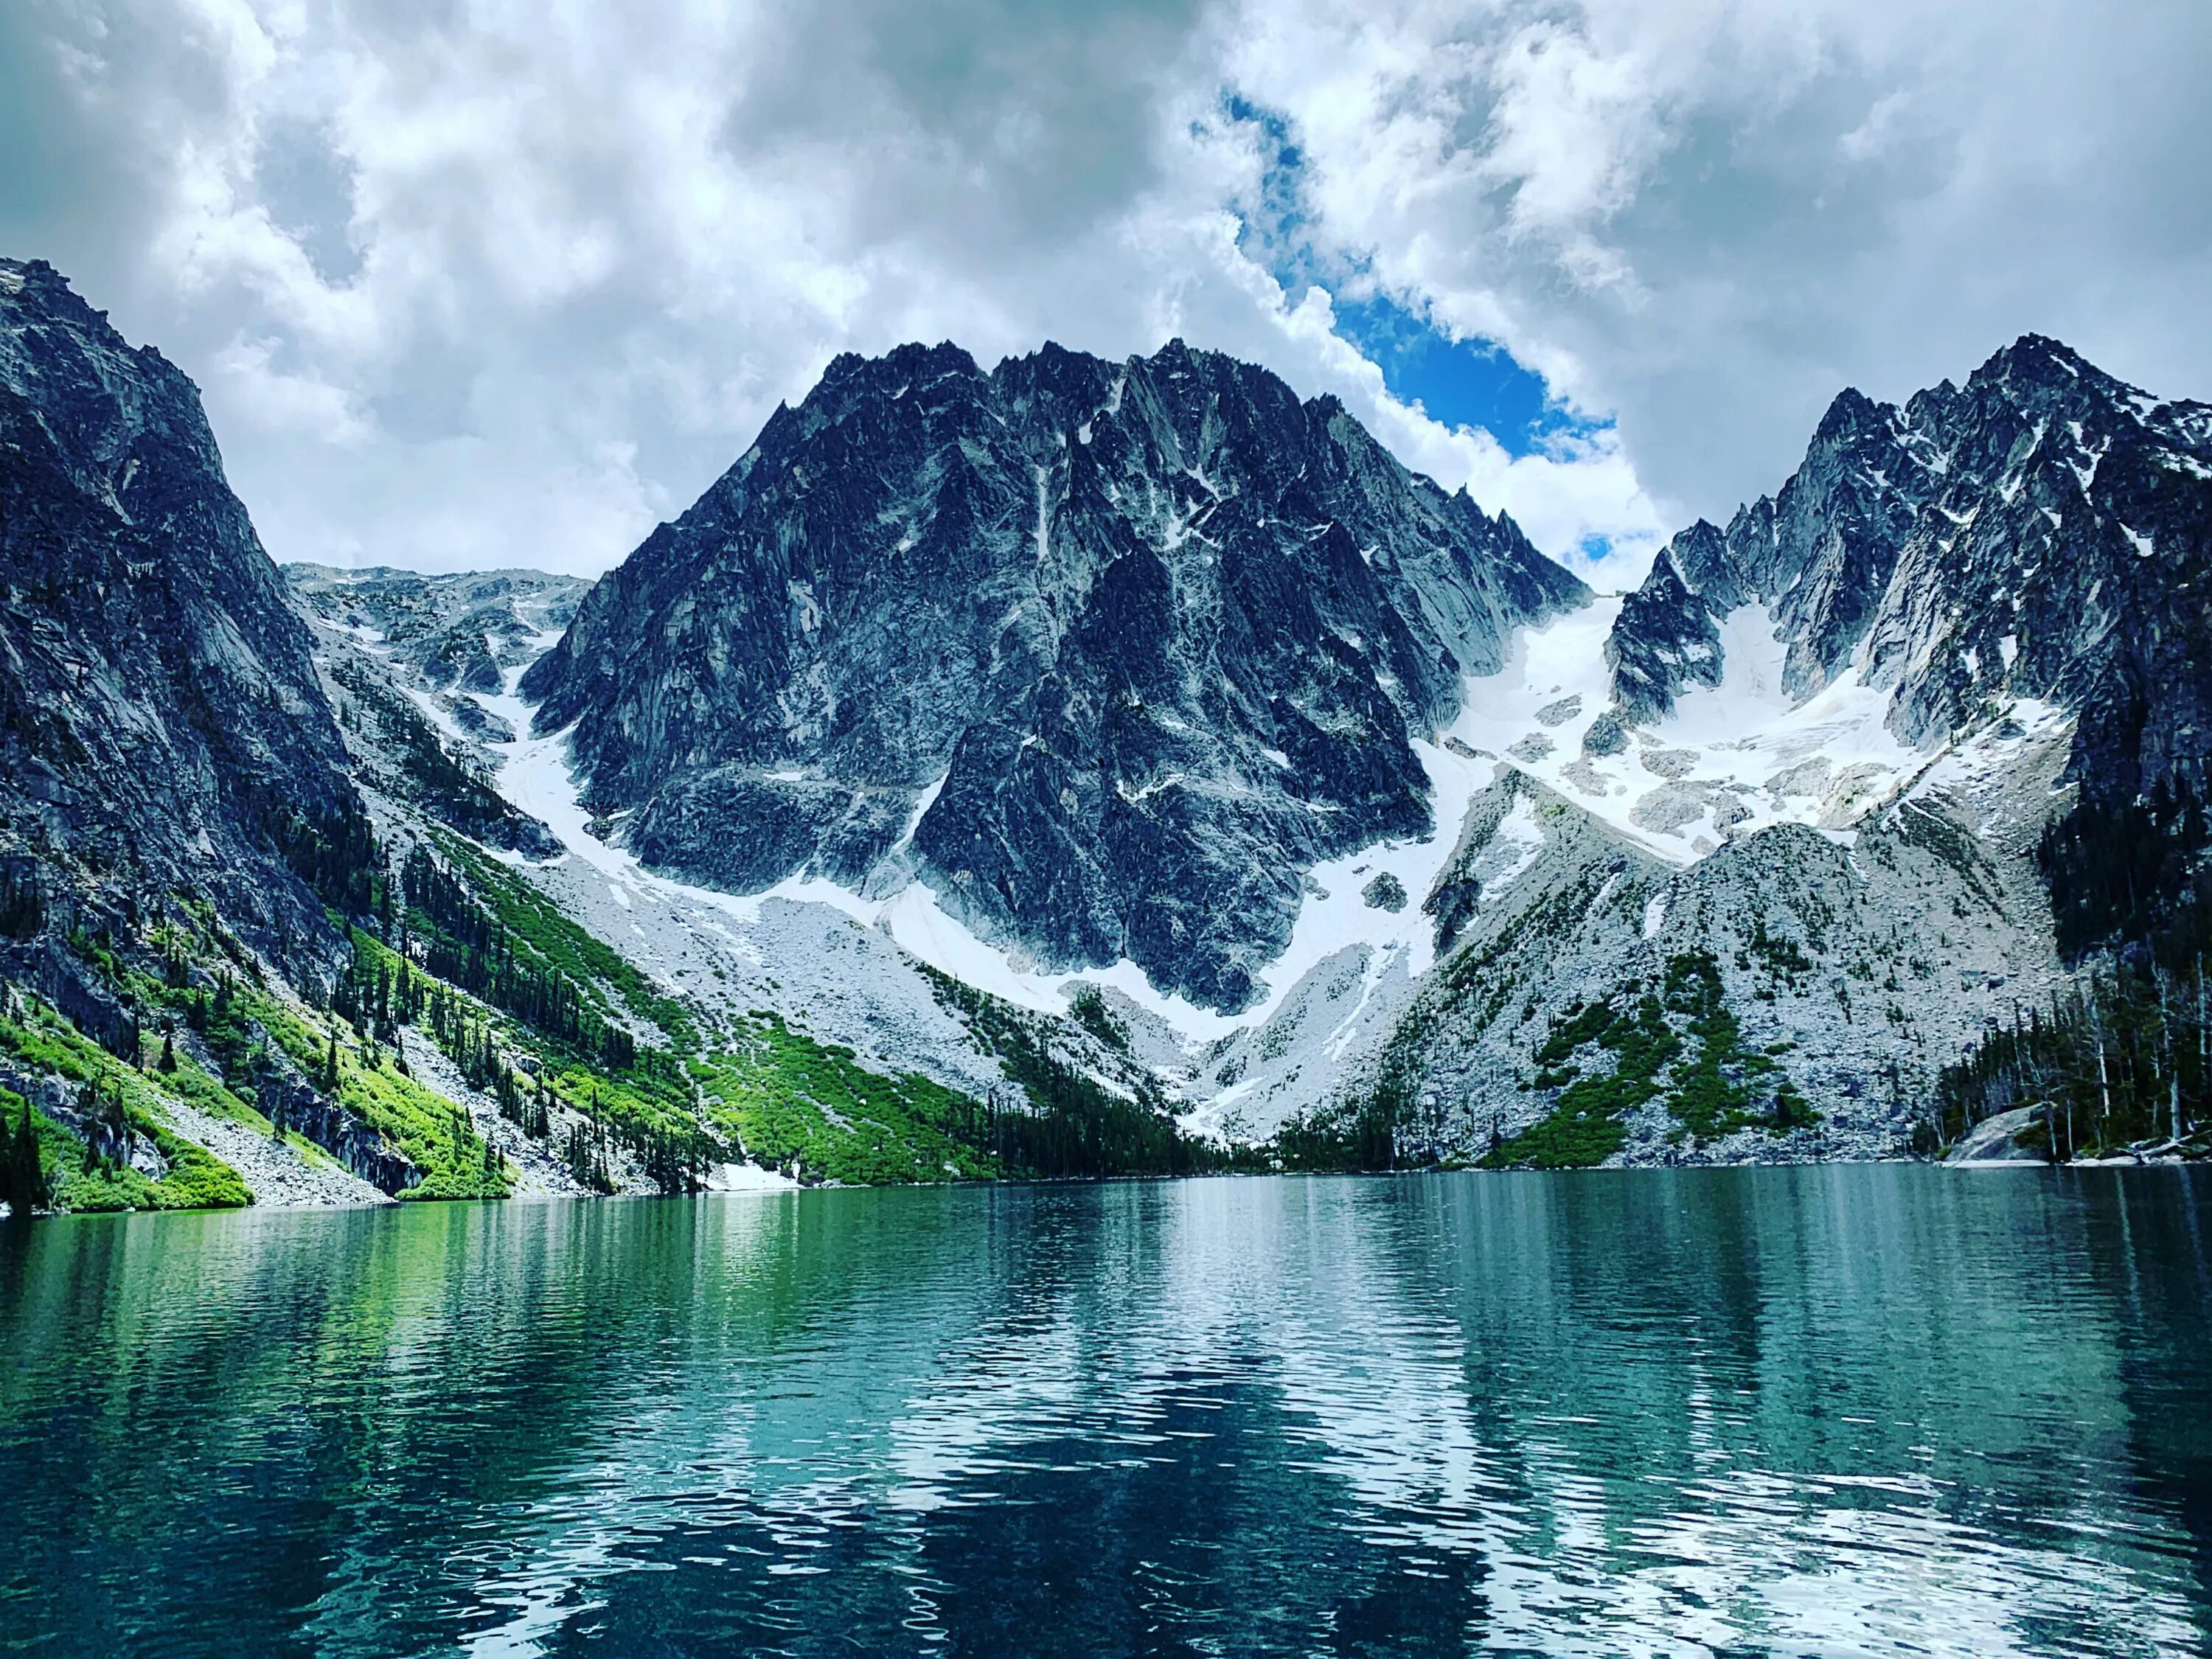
x: 1098, y: 769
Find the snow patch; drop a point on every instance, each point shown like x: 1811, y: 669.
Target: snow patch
x: 436, y: 715
x: 1516, y: 844
x: 748, y: 1178
x: 1735, y: 736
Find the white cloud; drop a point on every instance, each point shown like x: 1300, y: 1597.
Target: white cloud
x: 1707, y: 217
x: 504, y: 283
x: 279, y: 404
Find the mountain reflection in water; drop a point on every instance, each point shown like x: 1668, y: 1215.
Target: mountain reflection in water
x: 1840, y: 1410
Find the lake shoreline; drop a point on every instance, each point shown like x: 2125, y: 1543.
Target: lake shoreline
x: 531, y: 1200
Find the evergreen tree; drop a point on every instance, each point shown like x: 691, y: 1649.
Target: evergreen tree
x: 2125, y: 1058
x: 23, y: 1180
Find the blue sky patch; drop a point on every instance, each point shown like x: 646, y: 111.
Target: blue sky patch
x: 1471, y: 382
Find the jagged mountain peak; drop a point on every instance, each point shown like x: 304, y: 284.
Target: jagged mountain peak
x: 94, y: 394
x: 2039, y: 359
x: 2035, y: 533
x: 1105, y: 653
x: 908, y: 362
x: 1851, y: 414
x: 35, y: 284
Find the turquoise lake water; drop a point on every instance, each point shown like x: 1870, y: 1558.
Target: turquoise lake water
x: 1850, y: 1410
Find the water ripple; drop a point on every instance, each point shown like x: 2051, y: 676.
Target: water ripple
x: 1878, y: 1411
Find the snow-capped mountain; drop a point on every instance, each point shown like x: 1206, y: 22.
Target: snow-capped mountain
x: 2037, y: 533
x: 1798, y: 773
x: 455, y: 635
x: 1149, y: 677
x: 1132, y: 739
x: 1106, y: 655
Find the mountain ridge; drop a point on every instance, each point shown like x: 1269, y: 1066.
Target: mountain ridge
x: 1964, y: 491
x: 1149, y: 637
x: 1089, y: 767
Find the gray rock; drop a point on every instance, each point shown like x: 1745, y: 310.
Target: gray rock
x: 1832, y: 960
x: 1669, y: 806
x: 1589, y: 779
x: 1605, y: 736
x: 1996, y: 1140
x: 162, y: 724
x: 382, y: 633
x: 1159, y: 633
x: 1385, y: 892
x: 1666, y: 639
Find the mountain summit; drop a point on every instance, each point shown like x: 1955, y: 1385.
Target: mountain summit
x: 161, y: 726
x: 2038, y: 533
x: 1105, y: 653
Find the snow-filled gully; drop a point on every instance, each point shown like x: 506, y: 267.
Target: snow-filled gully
x: 1729, y: 761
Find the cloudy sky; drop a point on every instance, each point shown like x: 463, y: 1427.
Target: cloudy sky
x: 507, y: 281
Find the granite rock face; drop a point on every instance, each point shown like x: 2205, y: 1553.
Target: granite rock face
x: 1853, y: 972
x: 1106, y: 653
x: 2041, y: 532
x: 160, y: 714
x: 458, y: 634
x: 412, y: 663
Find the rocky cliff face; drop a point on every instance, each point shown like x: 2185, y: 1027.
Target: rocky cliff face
x: 413, y: 662
x: 1784, y: 967
x: 2039, y: 532
x: 160, y: 722
x: 1788, y: 876
x: 1106, y: 653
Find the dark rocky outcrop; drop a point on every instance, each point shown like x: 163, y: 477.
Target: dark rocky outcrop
x: 1156, y: 634
x: 291, y: 1103
x: 1667, y: 637
x: 2041, y: 532
x: 161, y: 722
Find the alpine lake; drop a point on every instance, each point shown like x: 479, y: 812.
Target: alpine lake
x: 1871, y: 1409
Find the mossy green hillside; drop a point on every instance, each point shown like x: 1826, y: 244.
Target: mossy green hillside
x: 1679, y: 1040
x: 791, y: 1101
x: 1585, y: 1127
x: 241, y: 1017
x: 762, y: 1090
x: 542, y: 930
x: 39, y: 1040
